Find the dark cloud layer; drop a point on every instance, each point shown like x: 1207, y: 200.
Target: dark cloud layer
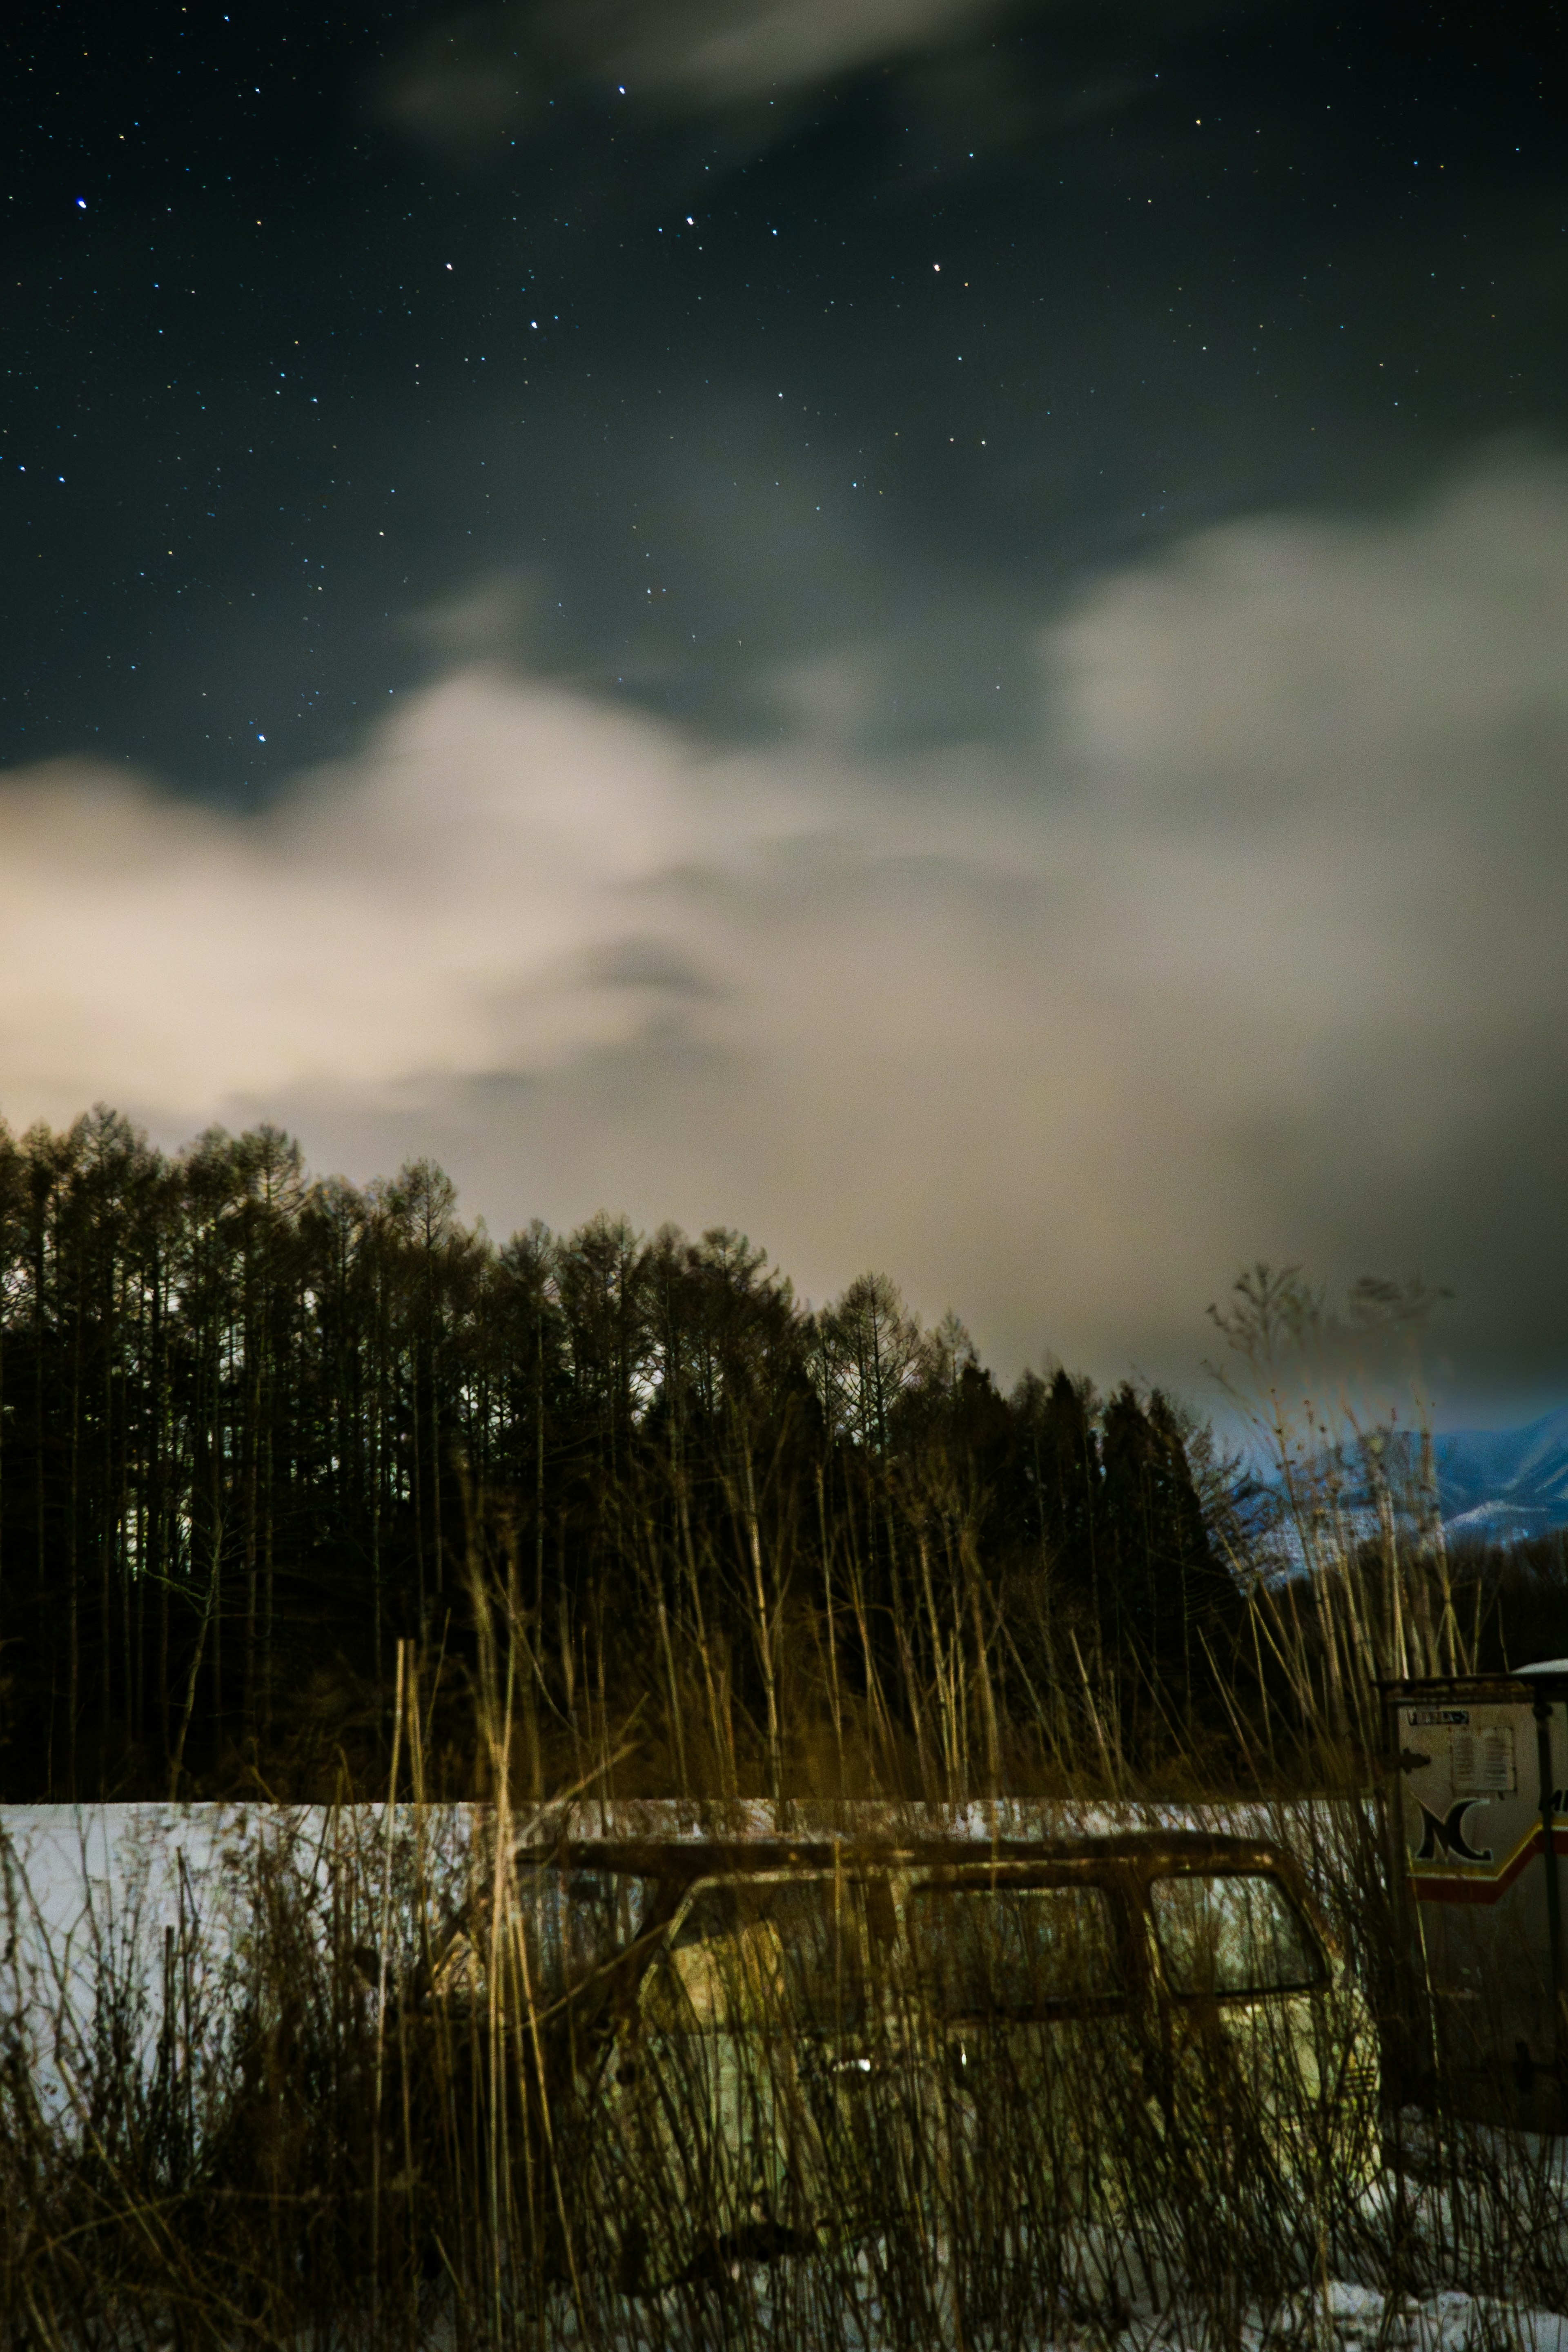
x: 934, y: 627
x: 470, y: 84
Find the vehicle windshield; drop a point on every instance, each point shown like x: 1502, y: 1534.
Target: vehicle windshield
x: 1014, y: 1951
x: 750, y: 1953
x: 1237, y: 1933
x: 573, y: 1921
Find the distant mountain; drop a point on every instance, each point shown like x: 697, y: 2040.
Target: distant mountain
x: 1503, y: 1483
x: 1496, y: 1485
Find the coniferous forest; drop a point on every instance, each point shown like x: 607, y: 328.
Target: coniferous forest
x: 264, y: 1437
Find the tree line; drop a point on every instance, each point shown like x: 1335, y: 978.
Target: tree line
x: 269, y: 1443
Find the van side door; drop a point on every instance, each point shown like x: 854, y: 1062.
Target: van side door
x: 1030, y: 1980
x: 1267, y: 2051
x: 753, y: 2023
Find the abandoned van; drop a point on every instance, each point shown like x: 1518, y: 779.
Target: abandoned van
x: 1479, y: 1766
x: 770, y: 2042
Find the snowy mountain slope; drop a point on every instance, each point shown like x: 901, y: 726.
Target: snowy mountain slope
x: 1493, y: 1485
x: 1494, y: 1480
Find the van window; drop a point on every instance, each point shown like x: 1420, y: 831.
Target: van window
x: 1014, y: 1951
x: 1232, y: 1934
x: 754, y: 1953
x: 576, y: 1921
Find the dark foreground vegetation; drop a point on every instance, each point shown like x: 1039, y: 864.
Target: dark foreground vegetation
x: 312, y: 1492
x: 256, y: 1430
x: 286, y: 2117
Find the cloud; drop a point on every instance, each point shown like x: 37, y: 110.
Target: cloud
x: 485, y: 75
x: 1354, y: 664
x: 1258, y: 950
x: 708, y: 52
x: 467, y: 892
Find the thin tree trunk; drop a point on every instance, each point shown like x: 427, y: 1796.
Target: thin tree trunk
x: 536, y: 1679
x: 255, y: 1347
x: 208, y: 1615
x: 2, y: 1475
x: 835, y: 1699
x: 765, y: 1628
x: 43, y: 1614
x: 982, y: 1664
x: 214, y: 1461
x: 377, y: 1440
x: 417, y: 1498
x: 73, y: 1589
x: 676, y: 1728
x: 945, y: 1712
x: 434, y: 1418
x: 111, y: 1508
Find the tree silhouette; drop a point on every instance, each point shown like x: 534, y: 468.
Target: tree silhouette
x: 258, y: 1428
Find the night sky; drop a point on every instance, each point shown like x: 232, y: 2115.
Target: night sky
x: 936, y: 630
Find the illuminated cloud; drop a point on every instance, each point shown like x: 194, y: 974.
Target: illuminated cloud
x: 1250, y: 954
x: 484, y: 75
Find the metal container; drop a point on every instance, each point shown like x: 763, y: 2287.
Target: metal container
x: 1478, y: 1771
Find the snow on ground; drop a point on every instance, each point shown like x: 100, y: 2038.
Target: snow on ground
x: 755, y: 2307
x: 137, y: 1896
x: 1339, y: 2317
x: 1358, y: 2315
